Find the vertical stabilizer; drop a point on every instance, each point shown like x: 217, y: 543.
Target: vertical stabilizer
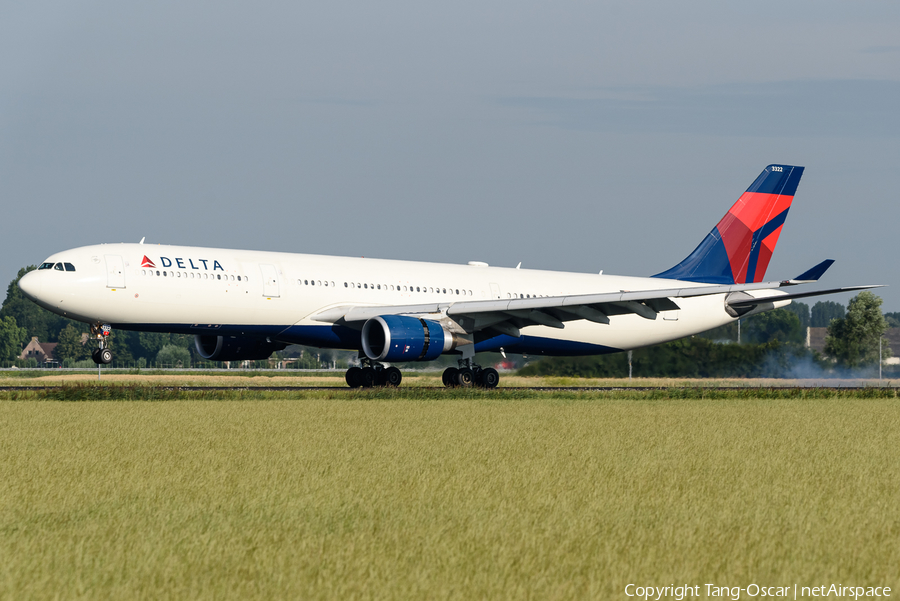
x: 738, y: 249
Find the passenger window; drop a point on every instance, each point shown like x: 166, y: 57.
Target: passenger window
x: 239, y: 278
x: 457, y: 292
x: 70, y: 267
x: 319, y: 282
x: 345, y: 285
x: 219, y: 276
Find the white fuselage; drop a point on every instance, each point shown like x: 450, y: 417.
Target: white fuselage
x: 196, y: 290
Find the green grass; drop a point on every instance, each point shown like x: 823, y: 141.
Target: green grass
x: 470, y: 495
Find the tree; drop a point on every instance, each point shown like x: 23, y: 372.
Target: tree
x: 824, y: 311
x: 802, y: 311
x: 149, y: 344
x: 70, y: 345
x: 688, y: 357
x: 853, y: 340
x: 893, y: 319
x: 12, y: 339
x: 175, y: 356
x: 781, y: 325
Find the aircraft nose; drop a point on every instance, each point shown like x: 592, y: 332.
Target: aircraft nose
x: 30, y: 285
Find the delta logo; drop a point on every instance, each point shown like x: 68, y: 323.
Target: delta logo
x: 180, y: 263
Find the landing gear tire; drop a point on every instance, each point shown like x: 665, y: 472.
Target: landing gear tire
x: 449, y: 377
x: 392, y: 377
x: 368, y: 377
x: 489, y: 378
x: 94, y: 356
x: 353, y: 377
x: 105, y: 356
x: 465, y: 378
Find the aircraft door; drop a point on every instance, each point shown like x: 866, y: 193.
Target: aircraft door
x: 495, y: 291
x: 270, y: 280
x: 115, y: 271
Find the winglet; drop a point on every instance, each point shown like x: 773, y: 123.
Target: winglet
x: 813, y: 274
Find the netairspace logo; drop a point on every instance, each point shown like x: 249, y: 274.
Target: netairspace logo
x: 714, y: 591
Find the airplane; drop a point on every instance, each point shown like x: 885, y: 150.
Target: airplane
x: 245, y: 305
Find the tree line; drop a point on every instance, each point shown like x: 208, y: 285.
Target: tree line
x: 768, y: 340
x: 772, y: 344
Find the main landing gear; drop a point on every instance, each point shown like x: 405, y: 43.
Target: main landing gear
x: 468, y: 374
x: 101, y: 355
x: 372, y: 374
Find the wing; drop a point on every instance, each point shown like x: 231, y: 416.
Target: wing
x: 509, y: 316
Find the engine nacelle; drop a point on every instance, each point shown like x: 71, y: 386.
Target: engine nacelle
x: 401, y: 338
x: 233, y: 348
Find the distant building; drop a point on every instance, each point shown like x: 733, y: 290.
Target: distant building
x: 42, y: 352
x: 815, y: 340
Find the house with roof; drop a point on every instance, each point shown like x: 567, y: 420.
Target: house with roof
x: 42, y: 352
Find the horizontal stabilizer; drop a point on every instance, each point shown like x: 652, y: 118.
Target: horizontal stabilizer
x: 744, y: 301
x: 813, y: 274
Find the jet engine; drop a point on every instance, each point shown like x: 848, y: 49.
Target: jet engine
x: 402, y: 338
x: 235, y: 348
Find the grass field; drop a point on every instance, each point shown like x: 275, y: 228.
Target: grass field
x: 411, y: 379
x: 388, y: 496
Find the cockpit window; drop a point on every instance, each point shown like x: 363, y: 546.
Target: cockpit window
x: 45, y: 266
x: 58, y: 267
x: 70, y: 267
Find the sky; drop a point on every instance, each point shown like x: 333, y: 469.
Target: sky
x: 575, y: 136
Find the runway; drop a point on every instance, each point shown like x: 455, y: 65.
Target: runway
x: 761, y: 389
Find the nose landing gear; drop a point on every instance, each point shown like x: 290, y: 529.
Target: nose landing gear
x: 101, y: 355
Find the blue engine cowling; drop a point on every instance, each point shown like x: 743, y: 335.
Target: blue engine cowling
x: 235, y: 348
x: 400, y: 338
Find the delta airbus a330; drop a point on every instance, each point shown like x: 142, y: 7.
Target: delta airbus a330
x: 244, y: 305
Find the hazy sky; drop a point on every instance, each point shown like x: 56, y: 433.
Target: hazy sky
x: 567, y: 135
